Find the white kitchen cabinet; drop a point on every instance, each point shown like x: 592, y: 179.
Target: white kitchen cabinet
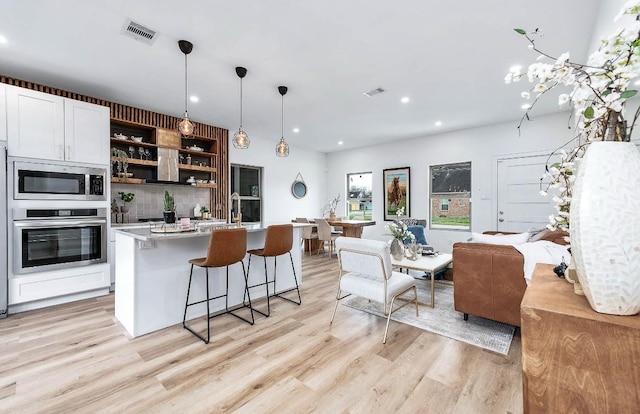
x: 35, y: 124
x: 45, y: 126
x: 42, y: 289
x: 86, y: 128
x: 3, y: 113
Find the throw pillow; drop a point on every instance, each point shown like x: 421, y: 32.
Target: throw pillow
x: 506, y: 239
x: 418, y: 232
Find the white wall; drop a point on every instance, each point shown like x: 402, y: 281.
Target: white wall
x: 482, y: 146
x: 279, y: 205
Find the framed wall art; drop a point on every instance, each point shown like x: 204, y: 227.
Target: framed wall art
x: 396, y: 183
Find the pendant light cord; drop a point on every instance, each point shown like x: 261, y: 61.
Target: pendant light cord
x: 240, y: 103
x: 282, y: 120
x: 186, y: 84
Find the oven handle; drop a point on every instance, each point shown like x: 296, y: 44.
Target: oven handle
x: 57, y: 223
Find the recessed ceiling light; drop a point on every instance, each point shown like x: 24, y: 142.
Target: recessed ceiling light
x: 3, y: 40
x: 526, y: 106
x: 438, y: 123
x: 515, y: 68
x: 296, y: 130
x: 405, y: 99
x: 194, y: 98
x: 340, y: 142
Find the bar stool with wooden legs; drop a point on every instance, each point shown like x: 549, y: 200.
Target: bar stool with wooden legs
x: 226, y: 247
x: 278, y: 241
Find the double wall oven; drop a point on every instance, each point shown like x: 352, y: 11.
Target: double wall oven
x: 58, y: 223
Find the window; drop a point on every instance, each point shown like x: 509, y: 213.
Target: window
x: 359, y: 197
x: 450, y: 196
x: 247, y: 182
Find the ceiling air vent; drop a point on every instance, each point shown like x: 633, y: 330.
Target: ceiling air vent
x: 138, y: 32
x: 373, y: 92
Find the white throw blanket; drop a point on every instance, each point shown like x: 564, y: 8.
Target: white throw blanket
x: 542, y: 252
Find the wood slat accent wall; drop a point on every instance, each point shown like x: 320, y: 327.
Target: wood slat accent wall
x: 120, y: 112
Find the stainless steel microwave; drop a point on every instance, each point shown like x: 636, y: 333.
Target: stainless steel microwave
x: 37, y: 181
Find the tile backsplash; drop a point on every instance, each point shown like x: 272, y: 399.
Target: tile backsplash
x: 148, y: 201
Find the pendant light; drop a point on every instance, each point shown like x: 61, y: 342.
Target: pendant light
x: 240, y: 138
x: 282, y: 149
x: 185, y: 127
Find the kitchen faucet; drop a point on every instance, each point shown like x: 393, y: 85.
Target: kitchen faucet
x: 238, y: 217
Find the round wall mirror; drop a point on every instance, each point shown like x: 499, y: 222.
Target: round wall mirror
x: 299, y: 189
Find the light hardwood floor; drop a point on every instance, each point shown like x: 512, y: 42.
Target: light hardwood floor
x: 76, y: 358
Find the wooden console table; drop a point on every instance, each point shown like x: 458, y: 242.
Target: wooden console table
x: 575, y: 360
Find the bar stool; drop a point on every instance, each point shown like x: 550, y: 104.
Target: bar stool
x: 278, y: 241
x: 226, y: 247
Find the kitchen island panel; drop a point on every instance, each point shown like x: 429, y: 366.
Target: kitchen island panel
x: 152, y: 277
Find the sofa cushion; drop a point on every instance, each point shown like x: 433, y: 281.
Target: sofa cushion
x: 504, y: 239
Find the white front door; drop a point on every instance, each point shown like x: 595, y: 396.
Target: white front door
x: 520, y: 205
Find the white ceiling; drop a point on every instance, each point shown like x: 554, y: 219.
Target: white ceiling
x: 450, y: 58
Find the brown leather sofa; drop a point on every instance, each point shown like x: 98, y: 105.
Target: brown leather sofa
x: 488, y: 279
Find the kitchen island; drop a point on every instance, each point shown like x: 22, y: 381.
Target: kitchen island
x: 152, y: 273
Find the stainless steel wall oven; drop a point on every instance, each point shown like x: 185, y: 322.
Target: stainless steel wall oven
x: 39, y: 181
x: 50, y: 239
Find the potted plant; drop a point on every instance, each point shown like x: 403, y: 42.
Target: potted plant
x: 331, y: 206
x: 126, y: 198
x: 598, y: 174
x: 204, y: 210
x: 122, y: 162
x: 169, y: 208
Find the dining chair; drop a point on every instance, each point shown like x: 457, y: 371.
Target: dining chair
x: 308, y: 235
x: 366, y: 271
x: 325, y: 235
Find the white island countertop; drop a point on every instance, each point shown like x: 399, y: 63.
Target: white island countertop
x: 200, y: 230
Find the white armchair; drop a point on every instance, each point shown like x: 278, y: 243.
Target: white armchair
x: 366, y: 271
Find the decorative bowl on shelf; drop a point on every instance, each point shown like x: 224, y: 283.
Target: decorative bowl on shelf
x: 123, y: 175
x: 195, y: 148
x: 137, y: 139
x: 120, y: 136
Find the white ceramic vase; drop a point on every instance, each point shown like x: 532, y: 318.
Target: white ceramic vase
x: 605, y: 227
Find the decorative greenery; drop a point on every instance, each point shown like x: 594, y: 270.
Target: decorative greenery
x: 122, y: 160
x: 398, y: 230
x: 204, y: 209
x: 126, y: 197
x: 169, y: 202
x: 600, y: 91
x: 331, y: 205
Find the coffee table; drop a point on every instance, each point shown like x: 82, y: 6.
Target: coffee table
x: 429, y: 264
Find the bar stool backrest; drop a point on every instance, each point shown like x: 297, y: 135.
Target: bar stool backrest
x: 226, y: 247
x: 278, y: 240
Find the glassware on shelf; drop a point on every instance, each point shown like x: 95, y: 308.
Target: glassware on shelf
x: 131, y: 151
x: 147, y: 154
x: 181, y: 157
x: 141, y: 151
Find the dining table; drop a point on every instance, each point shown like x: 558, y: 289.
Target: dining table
x: 351, y: 228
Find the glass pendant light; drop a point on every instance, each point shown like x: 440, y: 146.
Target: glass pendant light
x: 240, y: 138
x: 185, y: 127
x: 282, y: 149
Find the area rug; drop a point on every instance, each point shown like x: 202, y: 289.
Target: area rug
x: 443, y: 319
